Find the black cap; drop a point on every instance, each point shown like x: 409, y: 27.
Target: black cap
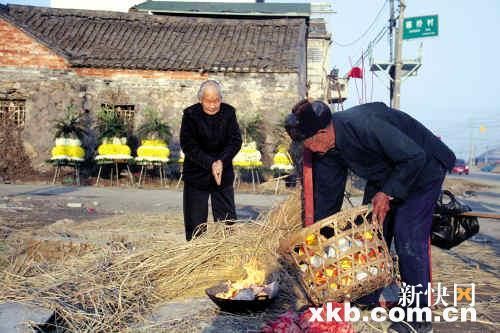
x: 306, y: 119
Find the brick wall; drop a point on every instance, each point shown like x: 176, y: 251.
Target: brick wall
x: 107, y: 73
x: 19, y: 50
x: 49, y: 86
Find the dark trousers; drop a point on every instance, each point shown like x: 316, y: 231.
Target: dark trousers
x: 195, y: 204
x: 410, y: 228
x: 409, y: 225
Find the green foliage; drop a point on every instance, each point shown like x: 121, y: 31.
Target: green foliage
x: 109, y: 124
x: 279, y: 133
x: 254, y: 131
x: 154, y: 127
x: 71, y: 125
x: 251, y: 125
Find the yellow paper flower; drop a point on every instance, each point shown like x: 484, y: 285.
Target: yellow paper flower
x: 68, y: 152
x: 156, y: 143
x: 282, y: 161
x: 114, y: 148
x: 75, y: 151
x: 153, y: 150
x: 248, y: 156
x: 58, y: 150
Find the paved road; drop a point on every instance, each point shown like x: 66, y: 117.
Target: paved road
x: 132, y: 199
x: 162, y: 201
x: 479, y: 175
x: 487, y: 200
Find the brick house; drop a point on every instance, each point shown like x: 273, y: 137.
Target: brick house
x: 52, y: 58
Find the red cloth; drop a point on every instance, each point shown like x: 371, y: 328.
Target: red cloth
x: 355, y: 73
x: 308, y: 188
x: 326, y: 327
x: 291, y: 322
x: 286, y: 323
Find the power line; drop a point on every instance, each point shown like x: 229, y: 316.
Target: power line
x: 371, y: 45
x: 366, y: 31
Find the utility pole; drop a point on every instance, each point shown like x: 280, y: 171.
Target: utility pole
x: 391, y: 29
x: 471, y: 134
x: 392, y: 25
x: 398, y: 63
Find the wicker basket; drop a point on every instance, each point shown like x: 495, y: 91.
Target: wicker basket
x: 341, y: 257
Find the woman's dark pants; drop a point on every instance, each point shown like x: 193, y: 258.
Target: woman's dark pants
x: 196, y: 208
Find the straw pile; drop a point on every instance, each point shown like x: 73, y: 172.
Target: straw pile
x: 126, y: 269
x: 107, y: 275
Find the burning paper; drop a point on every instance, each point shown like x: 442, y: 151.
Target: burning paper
x: 251, y: 287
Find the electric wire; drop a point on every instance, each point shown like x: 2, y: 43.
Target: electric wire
x: 366, y: 31
x: 371, y: 45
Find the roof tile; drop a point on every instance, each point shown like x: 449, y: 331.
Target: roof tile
x: 136, y: 40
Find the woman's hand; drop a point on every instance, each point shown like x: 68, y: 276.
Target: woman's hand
x: 217, y: 171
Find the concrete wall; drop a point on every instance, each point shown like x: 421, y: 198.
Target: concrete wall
x: 317, y: 67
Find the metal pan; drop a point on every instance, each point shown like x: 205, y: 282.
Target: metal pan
x: 241, y: 306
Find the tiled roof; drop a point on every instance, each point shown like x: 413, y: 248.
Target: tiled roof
x: 226, y: 8
x: 140, y: 41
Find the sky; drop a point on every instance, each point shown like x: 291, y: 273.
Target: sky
x: 457, y: 89
x: 455, y: 93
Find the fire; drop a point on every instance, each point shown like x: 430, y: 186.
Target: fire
x: 254, y: 279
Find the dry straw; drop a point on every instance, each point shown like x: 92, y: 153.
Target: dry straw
x: 117, y: 270
x: 114, y: 284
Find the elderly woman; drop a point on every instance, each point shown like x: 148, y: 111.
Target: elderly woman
x: 210, y: 138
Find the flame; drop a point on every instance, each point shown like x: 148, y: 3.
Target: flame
x: 255, y: 277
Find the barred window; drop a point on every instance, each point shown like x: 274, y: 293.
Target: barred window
x: 124, y: 111
x: 13, y: 111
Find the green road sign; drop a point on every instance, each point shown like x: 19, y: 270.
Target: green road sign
x: 420, y: 26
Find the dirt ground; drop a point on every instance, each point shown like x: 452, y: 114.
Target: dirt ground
x: 52, y: 223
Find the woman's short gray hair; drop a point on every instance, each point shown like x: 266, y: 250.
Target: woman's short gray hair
x: 209, y: 83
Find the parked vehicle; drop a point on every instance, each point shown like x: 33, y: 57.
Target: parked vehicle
x: 460, y: 167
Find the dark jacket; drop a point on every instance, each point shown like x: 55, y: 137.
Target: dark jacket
x: 391, y: 150
x: 206, y: 139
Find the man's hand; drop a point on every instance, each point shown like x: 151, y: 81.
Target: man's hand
x: 381, y: 206
x: 217, y: 171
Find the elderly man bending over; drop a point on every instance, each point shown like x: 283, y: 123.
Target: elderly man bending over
x: 210, y: 138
